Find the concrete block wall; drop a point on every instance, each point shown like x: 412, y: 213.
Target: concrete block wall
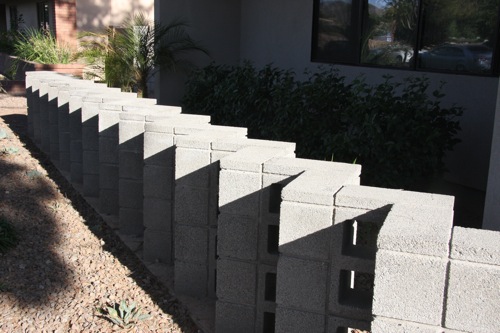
x: 280, y: 244
x: 429, y: 278
x: 90, y: 136
x: 159, y: 181
x: 251, y: 183
x: 109, y: 120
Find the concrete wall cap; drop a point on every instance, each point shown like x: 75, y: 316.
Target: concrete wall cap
x: 293, y: 166
x: 417, y: 230
x: 374, y: 197
x: 476, y: 245
x: 251, y: 158
x: 237, y: 144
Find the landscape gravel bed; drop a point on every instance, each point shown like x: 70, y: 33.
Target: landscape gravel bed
x: 68, y: 263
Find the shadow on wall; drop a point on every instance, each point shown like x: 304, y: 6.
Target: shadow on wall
x: 96, y: 15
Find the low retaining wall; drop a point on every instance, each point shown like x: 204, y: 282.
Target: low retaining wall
x: 281, y: 244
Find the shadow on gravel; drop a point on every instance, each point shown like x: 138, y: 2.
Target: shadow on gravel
x: 38, y: 276
x: 31, y: 271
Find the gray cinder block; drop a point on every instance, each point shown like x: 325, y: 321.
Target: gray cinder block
x: 234, y: 318
x: 383, y: 325
x: 475, y: 245
x: 155, y: 247
x: 190, y: 279
x: 473, y: 297
x: 296, y: 321
x: 409, y: 287
x: 305, y: 230
x: 236, y: 282
x: 238, y: 237
x: 293, y: 275
x: 191, y: 244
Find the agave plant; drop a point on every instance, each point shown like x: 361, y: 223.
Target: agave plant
x: 130, y: 55
x: 123, y: 315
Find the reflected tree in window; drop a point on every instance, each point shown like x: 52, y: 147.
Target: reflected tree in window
x: 390, y: 35
x: 458, y: 35
x: 442, y: 35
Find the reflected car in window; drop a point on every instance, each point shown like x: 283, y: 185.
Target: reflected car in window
x: 395, y: 55
x: 458, y: 57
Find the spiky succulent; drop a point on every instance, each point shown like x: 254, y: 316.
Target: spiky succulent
x: 123, y: 315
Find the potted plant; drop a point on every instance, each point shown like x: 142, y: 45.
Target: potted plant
x: 38, y: 49
x: 127, y: 57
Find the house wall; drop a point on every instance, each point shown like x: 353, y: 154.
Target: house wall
x: 492, y: 205
x: 27, y: 9
x: 95, y: 15
x: 279, y: 32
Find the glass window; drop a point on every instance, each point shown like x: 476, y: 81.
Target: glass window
x: 43, y: 15
x: 390, y: 32
x: 458, y: 35
x: 434, y: 35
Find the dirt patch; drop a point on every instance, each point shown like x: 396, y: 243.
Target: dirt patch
x: 68, y: 261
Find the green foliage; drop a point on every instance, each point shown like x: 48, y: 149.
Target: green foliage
x: 9, y: 150
x: 41, y: 46
x: 398, y: 131
x: 34, y: 174
x: 130, y: 55
x: 3, y: 134
x: 123, y: 315
x: 7, y: 40
x: 8, y: 236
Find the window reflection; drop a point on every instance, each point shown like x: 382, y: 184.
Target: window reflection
x: 458, y: 35
x: 442, y: 35
x: 336, y: 31
x: 390, y: 32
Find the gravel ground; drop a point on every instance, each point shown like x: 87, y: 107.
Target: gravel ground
x: 68, y: 262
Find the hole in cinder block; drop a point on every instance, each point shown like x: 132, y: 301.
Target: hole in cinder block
x: 273, y: 238
x: 269, y: 322
x: 275, y: 198
x: 356, y: 289
x: 360, y: 239
x: 270, y: 287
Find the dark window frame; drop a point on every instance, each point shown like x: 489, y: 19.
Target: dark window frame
x: 43, y: 14
x: 357, y: 32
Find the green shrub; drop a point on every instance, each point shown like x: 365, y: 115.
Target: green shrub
x: 7, y: 39
x: 398, y: 131
x: 41, y: 46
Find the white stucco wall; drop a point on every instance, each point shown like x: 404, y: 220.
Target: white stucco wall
x: 96, y: 15
x: 216, y: 24
x: 280, y: 32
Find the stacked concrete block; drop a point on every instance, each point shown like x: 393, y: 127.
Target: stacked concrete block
x: 58, y: 117
x: 411, y: 262
x: 249, y: 228
x: 109, y: 118
x: 159, y: 163
x: 195, y: 209
x: 473, y: 289
x: 90, y: 136
x: 33, y: 81
x: 359, y: 213
x: 63, y: 114
x: 131, y: 166
x: 277, y: 176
